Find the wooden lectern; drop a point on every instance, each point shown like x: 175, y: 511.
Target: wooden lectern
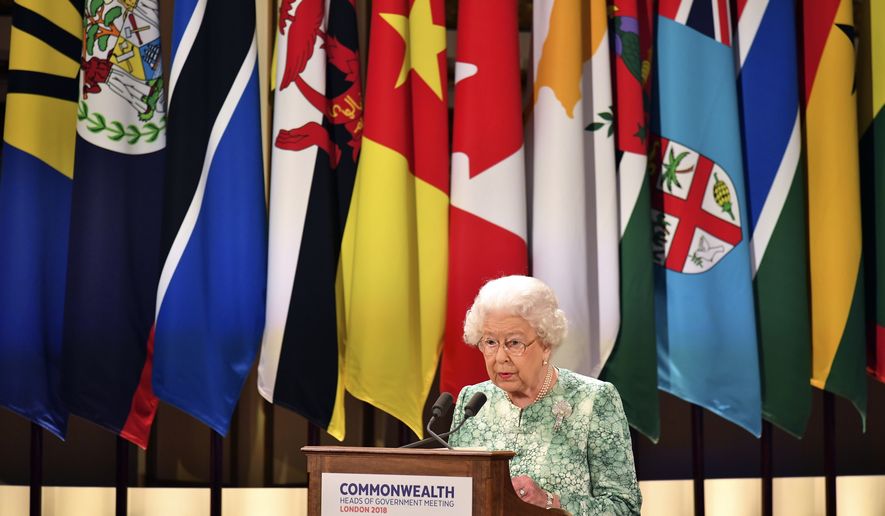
x: 493, y: 493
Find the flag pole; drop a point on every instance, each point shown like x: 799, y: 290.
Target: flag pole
x: 36, y: 499
x: 234, y: 461
x: 766, y: 469
x: 697, y: 457
x: 368, y: 425
x: 216, y: 469
x: 122, y: 480
x: 404, y: 434
x: 313, y: 434
x: 830, y: 452
x: 151, y: 459
x: 268, y: 410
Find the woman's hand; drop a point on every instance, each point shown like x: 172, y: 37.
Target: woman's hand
x: 529, y: 492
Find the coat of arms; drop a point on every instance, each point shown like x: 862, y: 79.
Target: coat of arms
x: 121, y: 81
x: 302, y: 26
x: 696, y: 219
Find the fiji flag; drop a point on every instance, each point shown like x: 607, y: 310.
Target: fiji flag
x: 35, y: 201
x: 210, y: 300
x: 706, y: 327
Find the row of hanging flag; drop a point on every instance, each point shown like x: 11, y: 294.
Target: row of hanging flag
x: 133, y: 244
x: 693, y: 180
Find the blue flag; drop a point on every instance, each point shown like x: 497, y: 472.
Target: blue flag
x: 116, y: 211
x: 776, y: 203
x: 35, y: 200
x: 705, y: 320
x: 211, y: 296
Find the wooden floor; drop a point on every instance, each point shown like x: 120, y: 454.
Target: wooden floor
x: 857, y: 496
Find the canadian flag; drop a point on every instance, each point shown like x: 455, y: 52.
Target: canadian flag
x: 487, y: 215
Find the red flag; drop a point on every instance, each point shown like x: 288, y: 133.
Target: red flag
x: 487, y: 215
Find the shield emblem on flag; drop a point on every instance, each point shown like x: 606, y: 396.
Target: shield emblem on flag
x: 121, y: 105
x: 695, y: 214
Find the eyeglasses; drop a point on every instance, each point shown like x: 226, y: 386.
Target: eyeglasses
x: 513, y: 347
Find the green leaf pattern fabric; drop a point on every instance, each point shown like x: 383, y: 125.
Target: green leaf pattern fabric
x: 586, y: 458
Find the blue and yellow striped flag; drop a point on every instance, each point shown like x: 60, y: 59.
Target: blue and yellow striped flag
x: 35, y: 200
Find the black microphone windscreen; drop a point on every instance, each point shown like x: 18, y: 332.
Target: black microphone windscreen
x: 442, y: 405
x: 476, y: 402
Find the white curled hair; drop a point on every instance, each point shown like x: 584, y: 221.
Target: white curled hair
x: 522, y: 296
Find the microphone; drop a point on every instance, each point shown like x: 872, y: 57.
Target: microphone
x: 476, y: 402
x: 442, y: 406
x: 470, y: 409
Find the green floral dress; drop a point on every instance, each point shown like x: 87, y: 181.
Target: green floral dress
x: 574, y: 442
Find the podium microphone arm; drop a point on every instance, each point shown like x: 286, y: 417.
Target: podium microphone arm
x: 435, y: 436
x: 439, y: 436
x: 470, y: 410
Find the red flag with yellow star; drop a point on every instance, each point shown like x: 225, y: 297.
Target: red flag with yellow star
x: 394, y: 251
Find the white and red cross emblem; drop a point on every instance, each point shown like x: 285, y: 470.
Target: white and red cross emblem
x: 695, y: 213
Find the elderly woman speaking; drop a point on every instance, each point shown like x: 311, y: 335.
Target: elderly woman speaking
x: 569, y: 431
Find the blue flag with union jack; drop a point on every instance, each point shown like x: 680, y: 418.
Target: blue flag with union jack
x: 705, y: 320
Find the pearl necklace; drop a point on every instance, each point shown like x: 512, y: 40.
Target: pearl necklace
x: 544, y: 387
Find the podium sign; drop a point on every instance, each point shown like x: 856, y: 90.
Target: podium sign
x: 396, y: 481
x: 396, y: 495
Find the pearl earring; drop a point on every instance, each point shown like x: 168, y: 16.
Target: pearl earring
x: 545, y: 362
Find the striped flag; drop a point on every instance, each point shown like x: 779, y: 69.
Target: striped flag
x: 211, y: 295
x: 837, y: 314
x: 575, y: 201
x: 394, y: 251
x: 632, y: 366
x: 35, y: 201
x: 776, y: 203
x: 117, y: 194
x: 705, y: 320
x: 871, y: 119
x: 487, y: 217
x: 317, y: 131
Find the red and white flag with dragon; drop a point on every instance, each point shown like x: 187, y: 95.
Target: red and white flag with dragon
x: 317, y: 129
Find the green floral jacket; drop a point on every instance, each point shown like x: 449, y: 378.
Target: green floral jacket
x: 574, y: 442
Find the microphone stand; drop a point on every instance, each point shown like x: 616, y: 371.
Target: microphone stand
x: 436, y: 437
x: 476, y: 402
x: 434, y: 434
